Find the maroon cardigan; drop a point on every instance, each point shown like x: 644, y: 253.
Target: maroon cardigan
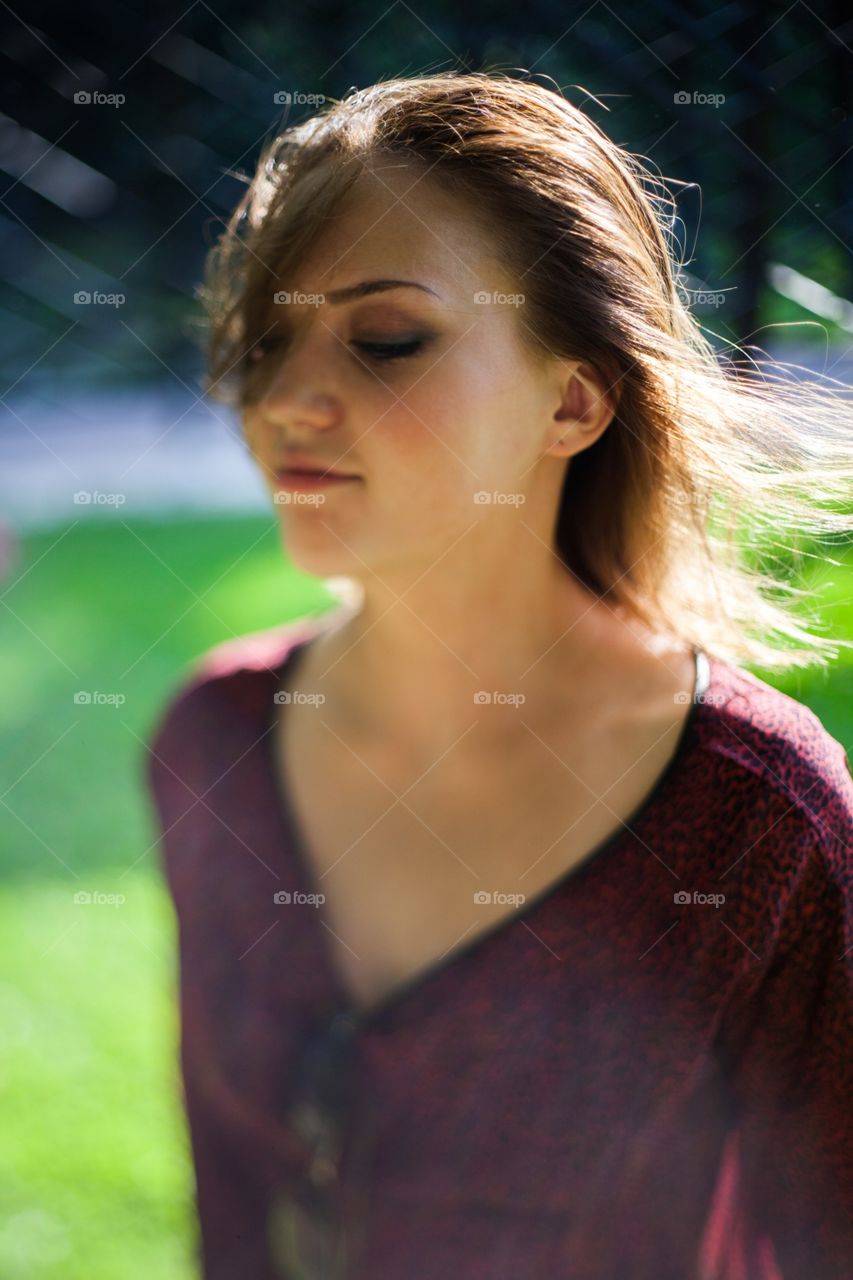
x: 615, y: 1083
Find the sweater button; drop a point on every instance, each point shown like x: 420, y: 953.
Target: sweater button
x: 323, y: 1170
x: 308, y: 1121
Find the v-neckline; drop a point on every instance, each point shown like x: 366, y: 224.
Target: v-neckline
x: 288, y: 826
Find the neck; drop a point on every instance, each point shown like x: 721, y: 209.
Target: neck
x: 411, y: 664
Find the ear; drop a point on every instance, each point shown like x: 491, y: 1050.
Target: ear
x: 587, y: 407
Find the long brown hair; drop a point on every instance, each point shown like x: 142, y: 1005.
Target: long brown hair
x: 665, y: 514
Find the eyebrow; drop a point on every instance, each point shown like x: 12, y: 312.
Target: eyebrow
x: 366, y: 287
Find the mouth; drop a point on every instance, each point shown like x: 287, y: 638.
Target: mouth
x: 302, y: 478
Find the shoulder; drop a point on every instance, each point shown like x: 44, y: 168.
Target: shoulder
x: 774, y: 758
x: 222, y: 678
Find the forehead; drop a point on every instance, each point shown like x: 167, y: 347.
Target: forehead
x: 395, y: 222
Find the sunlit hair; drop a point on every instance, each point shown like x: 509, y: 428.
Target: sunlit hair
x: 711, y: 471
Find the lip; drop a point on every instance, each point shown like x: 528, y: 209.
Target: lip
x: 303, y: 462
x: 305, y: 481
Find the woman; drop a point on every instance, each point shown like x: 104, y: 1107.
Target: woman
x: 514, y: 914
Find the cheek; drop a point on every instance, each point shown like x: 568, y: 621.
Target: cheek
x: 408, y: 438
x: 480, y: 407
x: 250, y: 432
x: 426, y: 445
x: 439, y: 472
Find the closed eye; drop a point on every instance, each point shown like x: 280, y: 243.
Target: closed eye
x: 380, y: 351
x: 390, y: 350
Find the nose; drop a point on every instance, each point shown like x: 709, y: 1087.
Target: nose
x: 294, y: 396
x: 290, y: 409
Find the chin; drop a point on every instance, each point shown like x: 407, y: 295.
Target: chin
x: 317, y: 551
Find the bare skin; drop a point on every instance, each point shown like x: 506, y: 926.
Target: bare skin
x: 457, y: 597
x: 399, y: 848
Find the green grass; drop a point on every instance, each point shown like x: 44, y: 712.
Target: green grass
x: 93, y: 1167
x: 95, y: 1173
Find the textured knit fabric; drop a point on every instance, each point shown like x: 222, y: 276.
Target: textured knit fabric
x: 630, y: 1078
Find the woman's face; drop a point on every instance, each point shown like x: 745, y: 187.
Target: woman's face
x: 455, y: 408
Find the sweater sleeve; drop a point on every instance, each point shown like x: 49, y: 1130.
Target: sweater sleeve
x: 232, y: 1211
x: 784, y: 1204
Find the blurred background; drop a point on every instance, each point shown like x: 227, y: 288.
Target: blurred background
x: 135, y: 532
